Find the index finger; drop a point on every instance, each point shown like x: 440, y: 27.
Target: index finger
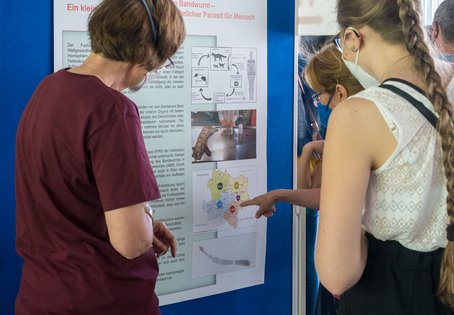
x: 250, y: 202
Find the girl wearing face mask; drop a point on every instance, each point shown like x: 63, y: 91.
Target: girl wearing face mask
x: 331, y: 80
x: 388, y: 167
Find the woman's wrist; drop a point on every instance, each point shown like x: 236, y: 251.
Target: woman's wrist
x: 149, y: 211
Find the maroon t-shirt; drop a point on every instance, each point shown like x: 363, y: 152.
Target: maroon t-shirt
x: 80, y: 152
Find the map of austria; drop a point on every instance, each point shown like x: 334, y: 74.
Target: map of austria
x: 216, y: 202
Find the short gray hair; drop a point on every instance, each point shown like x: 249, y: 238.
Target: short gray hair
x: 444, y: 17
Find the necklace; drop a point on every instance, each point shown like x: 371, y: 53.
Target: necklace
x: 393, y: 64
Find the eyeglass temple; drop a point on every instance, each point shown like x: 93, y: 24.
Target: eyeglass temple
x: 154, y: 28
x: 171, y: 63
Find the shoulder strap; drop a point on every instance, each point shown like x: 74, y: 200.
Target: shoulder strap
x: 428, y: 114
x: 314, y: 124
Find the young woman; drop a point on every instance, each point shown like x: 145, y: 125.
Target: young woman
x: 83, y: 177
x: 388, y: 169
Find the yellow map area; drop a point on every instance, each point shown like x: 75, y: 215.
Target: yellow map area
x: 221, y: 182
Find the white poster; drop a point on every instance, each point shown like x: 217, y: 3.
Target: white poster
x: 204, y: 124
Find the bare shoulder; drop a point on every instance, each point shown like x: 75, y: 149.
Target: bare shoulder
x: 358, y: 126
x: 353, y: 113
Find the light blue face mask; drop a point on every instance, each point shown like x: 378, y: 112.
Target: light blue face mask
x: 151, y: 75
x: 148, y: 78
x: 363, y: 77
x: 138, y: 86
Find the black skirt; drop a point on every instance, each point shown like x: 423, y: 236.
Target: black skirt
x: 396, y: 281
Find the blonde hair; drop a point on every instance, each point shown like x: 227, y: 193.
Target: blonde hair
x: 326, y: 69
x: 398, y: 21
x: 121, y: 30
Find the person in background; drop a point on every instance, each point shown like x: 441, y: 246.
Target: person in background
x: 443, y: 30
x: 330, y: 82
x: 389, y: 227
x: 329, y: 77
x: 83, y: 177
x: 442, y: 35
x: 309, y: 128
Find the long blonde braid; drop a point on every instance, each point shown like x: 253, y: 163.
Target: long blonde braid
x: 416, y: 46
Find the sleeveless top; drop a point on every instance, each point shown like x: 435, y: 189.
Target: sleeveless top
x: 406, y: 196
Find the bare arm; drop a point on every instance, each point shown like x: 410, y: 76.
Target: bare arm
x: 304, y: 172
x: 358, y: 140
x: 302, y: 197
x: 130, y: 230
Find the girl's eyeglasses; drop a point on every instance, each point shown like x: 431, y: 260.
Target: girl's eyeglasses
x: 316, y: 98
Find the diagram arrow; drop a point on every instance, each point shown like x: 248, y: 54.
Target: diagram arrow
x: 205, y: 98
x: 316, y: 19
x: 237, y: 70
x: 232, y: 93
x: 204, y: 56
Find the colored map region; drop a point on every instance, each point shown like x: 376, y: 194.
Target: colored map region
x: 219, y: 207
x: 226, y: 193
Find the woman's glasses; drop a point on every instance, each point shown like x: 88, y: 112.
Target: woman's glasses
x: 168, y: 65
x: 316, y: 98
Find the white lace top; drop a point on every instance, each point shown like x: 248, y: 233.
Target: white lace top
x: 406, y: 197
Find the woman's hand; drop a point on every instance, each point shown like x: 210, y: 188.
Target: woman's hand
x: 163, y: 239
x: 313, y: 148
x: 265, y: 203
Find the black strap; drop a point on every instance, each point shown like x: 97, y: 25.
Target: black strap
x: 430, y: 116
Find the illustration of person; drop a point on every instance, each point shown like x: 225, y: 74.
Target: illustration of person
x: 251, y: 73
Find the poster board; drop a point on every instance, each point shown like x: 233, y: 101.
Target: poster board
x: 220, y: 74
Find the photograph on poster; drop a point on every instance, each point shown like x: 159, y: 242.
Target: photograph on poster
x: 222, y: 255
x: 216, y: 202
x: 223, y: 135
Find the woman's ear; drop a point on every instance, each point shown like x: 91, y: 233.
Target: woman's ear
x: 341, y: 92
x: 352, y: 39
